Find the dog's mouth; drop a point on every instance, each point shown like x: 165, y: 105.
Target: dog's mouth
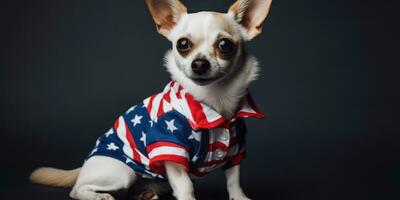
x: 206, y: 80
x: 203, y: 81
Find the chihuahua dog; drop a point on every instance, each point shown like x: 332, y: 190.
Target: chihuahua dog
x: 195, y: 125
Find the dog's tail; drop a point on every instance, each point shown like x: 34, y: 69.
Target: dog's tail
x: 55, y: 177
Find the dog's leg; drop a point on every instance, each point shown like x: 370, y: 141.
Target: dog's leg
x: 180, y: 181
x: 232, y: 182
x: 100, y: 175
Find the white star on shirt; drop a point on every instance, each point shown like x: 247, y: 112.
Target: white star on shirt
x: 143, y: 138
x: 109, y: 132
x: 112, y: 146
x: 171, y: 126
x: 195, y: 135
x: 151, y: 123
x: 136, y: 120
x: 130, y: 109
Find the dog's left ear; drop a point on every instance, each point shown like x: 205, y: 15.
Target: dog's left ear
x: 250, y: 14
x: 166, y: 14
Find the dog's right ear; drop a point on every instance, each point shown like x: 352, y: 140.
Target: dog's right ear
x: 166, y: 14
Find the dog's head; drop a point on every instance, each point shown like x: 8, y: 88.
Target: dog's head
x: 207, y: 46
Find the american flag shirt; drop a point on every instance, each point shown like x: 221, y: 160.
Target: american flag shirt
x: 173, y: 126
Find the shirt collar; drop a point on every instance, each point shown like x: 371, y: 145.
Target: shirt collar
x: 202, y: 116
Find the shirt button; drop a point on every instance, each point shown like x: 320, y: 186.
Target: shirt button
x: 223, y: 137
x: 219, y: 153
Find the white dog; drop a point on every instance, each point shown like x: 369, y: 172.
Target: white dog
x: 191, y: 128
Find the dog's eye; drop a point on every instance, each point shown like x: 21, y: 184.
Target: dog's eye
x: 226, y: 46
x: 183, y: 45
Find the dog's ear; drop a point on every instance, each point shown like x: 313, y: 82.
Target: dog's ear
x: 250, y: 14
x: 166, y: 14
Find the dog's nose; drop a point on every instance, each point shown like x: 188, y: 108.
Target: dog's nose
x: 200, y: 66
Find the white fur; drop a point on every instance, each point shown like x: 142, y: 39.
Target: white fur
x: 233, y: 184
x: 180, y: 181
x: 101, y: 173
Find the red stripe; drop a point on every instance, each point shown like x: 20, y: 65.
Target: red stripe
x: 150, y: 105
x: 196, y: 109
x: 218, y: 123
x: 157, y: 163
x: 167, y: 96
x: 163, y: 144
x: 213, y: 162
x: 248, y: 114
x: 257, y: 113
x: 160, y: 108
x: 235, y: 160
x: 136, y: 155
x: 178, y: 94
x: 116, y: 123
x: 217, y: 145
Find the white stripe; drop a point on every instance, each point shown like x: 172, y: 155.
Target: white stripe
x: 168, y: 150
x: 143, y: 159
x: 185, y: 106
x: 155, y: 107
x: 121, y: 132
x: 174, y: 100
x: 210, y: 114
x: 216, y: 134
x: 211, y: 156
x: 167, y: 87
x: 176, y: 86
x: 166, y: 106
x: 146, y: 102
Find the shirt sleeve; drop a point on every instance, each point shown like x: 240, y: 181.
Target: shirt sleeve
x: 167, y: 141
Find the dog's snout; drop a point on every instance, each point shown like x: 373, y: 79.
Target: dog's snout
x: 200, y: 66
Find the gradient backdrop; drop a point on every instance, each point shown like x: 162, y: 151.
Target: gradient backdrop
x: 69, y: 68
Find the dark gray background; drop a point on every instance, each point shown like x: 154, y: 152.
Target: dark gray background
x: 69, y: 68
